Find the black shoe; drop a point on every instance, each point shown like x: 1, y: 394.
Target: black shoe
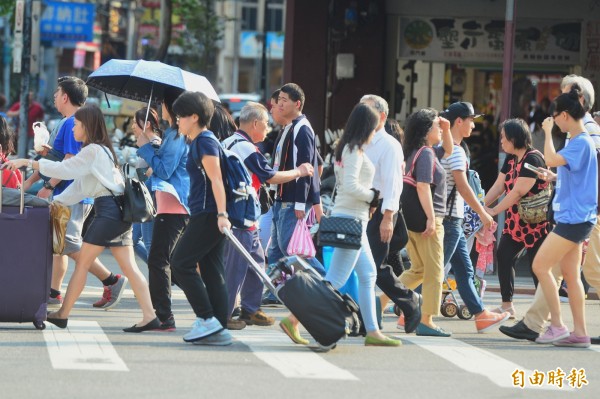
x: 519, y: 331
x: 153, y: 325
x: 269, y: 302
x: 595, y: 340
x: 60, y: 323
x: 412, y: 322
x: 168, y: 325
x: 236, y: 312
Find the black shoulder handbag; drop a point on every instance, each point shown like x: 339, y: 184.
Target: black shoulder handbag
x: 137, y: 205
x: 340, y: 232
x: 413, y: 212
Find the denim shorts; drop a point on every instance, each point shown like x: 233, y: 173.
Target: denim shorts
x: 576, y: 233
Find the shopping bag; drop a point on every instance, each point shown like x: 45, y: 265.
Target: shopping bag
x: 301, y: 243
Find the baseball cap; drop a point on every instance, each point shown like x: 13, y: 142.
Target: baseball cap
x: 460, y: 109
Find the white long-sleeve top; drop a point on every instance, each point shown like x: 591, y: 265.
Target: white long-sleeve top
x: 386, y: 154
x: 354, y: 177
x: 92, y: 171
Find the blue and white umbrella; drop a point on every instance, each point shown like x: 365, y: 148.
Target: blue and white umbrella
x: 146, y: 81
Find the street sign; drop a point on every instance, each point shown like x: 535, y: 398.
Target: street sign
x: 68, y: 21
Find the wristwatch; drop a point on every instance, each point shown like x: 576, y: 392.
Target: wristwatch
x: 49, y: 186
x: 223, y: 215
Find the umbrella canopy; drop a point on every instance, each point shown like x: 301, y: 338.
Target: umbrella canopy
x: 146, y: 81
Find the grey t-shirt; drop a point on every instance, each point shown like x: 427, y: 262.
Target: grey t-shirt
x: 428, y: 169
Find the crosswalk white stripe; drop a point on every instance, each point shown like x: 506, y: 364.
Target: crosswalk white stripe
x: 81, y: 346
x: 292, y: 361
x: 477, y: 361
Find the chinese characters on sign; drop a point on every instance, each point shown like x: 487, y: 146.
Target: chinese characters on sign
x: 68, y: 21
x: 557, y: 378
x: 480, y: 40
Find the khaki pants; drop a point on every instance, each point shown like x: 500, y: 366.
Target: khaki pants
x: 427, y: 267
x: 539, y: 311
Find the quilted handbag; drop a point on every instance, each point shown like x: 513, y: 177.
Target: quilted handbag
x: 534, y: 208
x: 340, y: 232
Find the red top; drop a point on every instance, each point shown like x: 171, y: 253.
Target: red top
x: 10, y: 179
x: 36, y: 114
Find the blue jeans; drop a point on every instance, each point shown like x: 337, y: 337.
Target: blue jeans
x: 284, y: 222
x: 456, y: 252
x: 343, y: 261
x: 142, y: 239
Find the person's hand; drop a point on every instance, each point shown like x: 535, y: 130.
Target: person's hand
x: 45, y: 150
x: 546, y: 174
x: 148, y: 172
x: 300, y: 214
x: 16, y: 164
x: 386, y: 228
x: 306, y: 169
x: 141, y: 140
x: 44, y: 193
x: 223, y: 223
x: 547, y: 125
x: 26, y: 185
x: 490, y: 211
x: 486, y: 219
x: 444, y: 123
x: 429, y: 228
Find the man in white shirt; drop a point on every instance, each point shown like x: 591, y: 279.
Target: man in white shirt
x: 386, y: 154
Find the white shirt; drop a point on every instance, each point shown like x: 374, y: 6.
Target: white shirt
x: 354, y: 177
x: 385, y: 152
x: 93, y: 172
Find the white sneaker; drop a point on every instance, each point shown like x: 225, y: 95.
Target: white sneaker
x: 203, y: 328
x: 222, y: 338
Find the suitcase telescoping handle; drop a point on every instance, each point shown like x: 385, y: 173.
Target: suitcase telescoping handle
x: 22, y: 206
x: 257, y: 268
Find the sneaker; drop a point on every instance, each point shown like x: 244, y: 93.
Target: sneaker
x: 553, y: 334
x: 104, y: 299
x: 292, y: 332
x: 487, y: 320
x: 203, y: 328
x: 55, y: 302
x: 167, y: 325
x: 574, y: 341
x: 112, y: 294
x: 400, y: 324
x: 258, y: 318
x: 510, y: 309
x: 519, y: 331
x: 236, y: 312
x: 233, y: 324
x: 222, y: 338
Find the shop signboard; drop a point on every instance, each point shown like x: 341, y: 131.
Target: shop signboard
x: 456, y: 40
x: 68, y: 21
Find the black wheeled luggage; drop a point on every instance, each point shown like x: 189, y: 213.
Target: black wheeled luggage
x: 326, y: 314
x: 25, y: 263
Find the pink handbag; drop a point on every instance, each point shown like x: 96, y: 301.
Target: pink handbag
x: 301, y: 243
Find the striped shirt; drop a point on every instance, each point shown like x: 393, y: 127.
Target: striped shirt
x: 456, y: 161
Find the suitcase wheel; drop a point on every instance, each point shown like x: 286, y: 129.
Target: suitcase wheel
x: 40, y: 325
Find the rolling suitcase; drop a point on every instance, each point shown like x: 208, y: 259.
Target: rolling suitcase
x: 326, y: 314
x: 25, y: 262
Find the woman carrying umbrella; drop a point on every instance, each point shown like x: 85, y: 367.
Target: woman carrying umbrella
x: 171, y: 185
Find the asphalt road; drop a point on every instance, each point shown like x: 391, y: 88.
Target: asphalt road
x: 93, y: 358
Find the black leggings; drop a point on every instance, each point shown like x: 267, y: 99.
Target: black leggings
x: 508, y: 249
x: 202, y: 243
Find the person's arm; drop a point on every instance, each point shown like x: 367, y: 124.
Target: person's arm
x: 521, y: 187
x: 447, y: 141
x: 353, y: 161
x: 496, y: 190
x: 212, y: 167
x: 304, y: 148
x: 45, y: 192
x: 553, y: 159
x: 166, y: 160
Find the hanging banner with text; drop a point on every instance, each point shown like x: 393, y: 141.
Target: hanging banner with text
x: 454, y: 40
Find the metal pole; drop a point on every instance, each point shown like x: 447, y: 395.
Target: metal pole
x: 7, y: 65
x: 25, y: 78
x: 236, y: 50
x: 263, y: 62
x: 507, y: 65
x: 131, y: 28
